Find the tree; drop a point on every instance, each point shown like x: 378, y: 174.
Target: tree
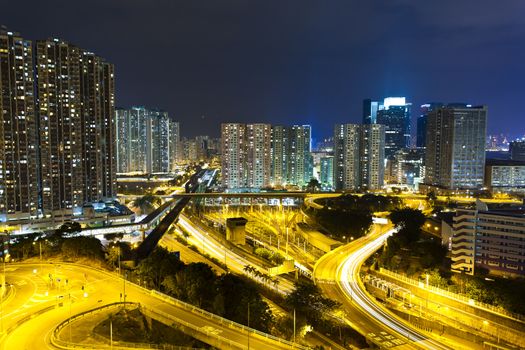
x: 193, y: 284
x: 313, y: 186
x: 158, y: 265
x: 234, y: 294
x: 344, y: 222
x: 147, y: 203
x: 308, y: 302
x: 407, y: 218
x: 83, y: 246
x: 431, y: 197
x: 69, y: 227
x: 116, y: 251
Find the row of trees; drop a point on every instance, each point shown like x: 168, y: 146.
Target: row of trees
x: 369, y: 201
x: 408, y: 250
x: 342, y: 222
x: 260, y: 276
x: 227, y: 295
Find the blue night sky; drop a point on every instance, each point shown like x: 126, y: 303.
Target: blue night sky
x: 295, y: 61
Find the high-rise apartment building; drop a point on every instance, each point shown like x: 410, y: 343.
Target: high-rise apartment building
x: 291, y: 155
x: 148, y: 141
x: 455, y: 152
x: 359, y: 156
x: 421, y: 135
x: 372, y: 156
x: 158, y: 155
x: 347, y: 142
x: 18, y: 127
x: 258, y: 155
x: 280, y: 136
x: 175, y: 147
x: 233, y: 150
x: 394, y: 114
x: 132, y: 143
x: 517, y: 150
x: 60, y: 107
x: 300, y: 162
x: 77, y: 130
x: 326, y: 173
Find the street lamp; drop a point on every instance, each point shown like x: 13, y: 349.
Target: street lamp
x: 40, y: 250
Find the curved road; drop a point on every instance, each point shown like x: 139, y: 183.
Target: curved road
x: 102, y: 288
x: 337, y: 274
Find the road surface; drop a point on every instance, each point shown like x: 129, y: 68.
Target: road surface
x: 102, y: 288
x: 337, y: 274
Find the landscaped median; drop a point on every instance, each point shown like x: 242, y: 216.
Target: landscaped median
x: 204, y: 334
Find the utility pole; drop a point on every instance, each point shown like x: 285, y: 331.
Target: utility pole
x: 294, y: 326
x: 40, y: 248
x: 248, y: 325
x: 70, y: 302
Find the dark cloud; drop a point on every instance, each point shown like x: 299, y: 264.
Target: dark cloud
x: 301, y: 61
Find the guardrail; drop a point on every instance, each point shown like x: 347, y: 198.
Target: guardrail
x: 68, y: 345
x: 57, y: 342
x: 189, y: 307
x: 220, y: 341
x: 29, y: 317
x: 454, y: 296
x: 223, y: 320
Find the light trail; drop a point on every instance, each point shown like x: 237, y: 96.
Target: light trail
x: 234, y: 261
x: 348, y: 276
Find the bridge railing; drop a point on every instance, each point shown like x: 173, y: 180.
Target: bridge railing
x: 223, y: 320
x: 64, y: 344
x: 455, y: 296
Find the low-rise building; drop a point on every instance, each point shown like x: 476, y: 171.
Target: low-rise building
x: 489, y: 240
x: 505, y: 176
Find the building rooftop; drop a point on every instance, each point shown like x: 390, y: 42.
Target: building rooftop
x: 504, y: 162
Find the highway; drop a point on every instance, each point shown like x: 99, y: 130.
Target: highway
x: 235, y: 262
x: 337, y: 274
x: 102, y: 288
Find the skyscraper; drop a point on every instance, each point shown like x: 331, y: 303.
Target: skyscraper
x: 370, y: 109
x: 455, y: 154
x: 77, y: 134
x: 394, y: 114
x: 421, y: 135
x: 233, y: 149
x: 258, y: 155
x: 517, y: 150
x: 359, y: 156
x: 18, y: 151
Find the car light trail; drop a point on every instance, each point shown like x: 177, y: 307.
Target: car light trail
x: 348, y: 276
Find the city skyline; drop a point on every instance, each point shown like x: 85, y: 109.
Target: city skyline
x: 316, y: 63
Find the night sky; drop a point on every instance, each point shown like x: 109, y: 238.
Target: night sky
x: 295, y: 61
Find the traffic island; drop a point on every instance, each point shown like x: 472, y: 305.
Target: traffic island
x: 121, y: 325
